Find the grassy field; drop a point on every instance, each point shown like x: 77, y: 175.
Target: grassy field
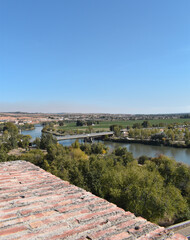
x: 104, y: 125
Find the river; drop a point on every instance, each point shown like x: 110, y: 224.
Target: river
x: 179, y: 154
x: 34, y: 133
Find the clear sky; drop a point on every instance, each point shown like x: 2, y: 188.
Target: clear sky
x: 116, y: 56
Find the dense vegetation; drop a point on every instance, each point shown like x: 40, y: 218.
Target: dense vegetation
x: 82, y: 126
x: 27, y: 126
x: 174, y: 134
x: 166, y: 133
x: 155, y: 188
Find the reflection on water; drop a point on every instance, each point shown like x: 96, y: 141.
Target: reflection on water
x: 34, y: 133
x: 67, y: 143
x: 179, y: 154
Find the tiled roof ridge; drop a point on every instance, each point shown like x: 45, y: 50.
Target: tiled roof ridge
x: 34, y: 204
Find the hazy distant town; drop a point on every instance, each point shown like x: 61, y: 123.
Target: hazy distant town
x: 34, y: 118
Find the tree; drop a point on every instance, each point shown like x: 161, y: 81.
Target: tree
x: 54, y: 150
x: 161, y: 124
x: 77, y: 154
x: 27, y: 126
x: 37, y: 142
x: 142, y: 159
x: 123, y: 155
x: 35, y: 156
x: 116, y: 129
x: 46, y: 140
x: 98, y: 148
x: 141, y: 191
x: 11, y: 128
x: 76, y: 144
x: 10, y: 132
x: 137, y: 125
x: 170, y: 134
x: 79, y: 123
x: 90, y: 129
x: 187, y: 136
x: 146, y: 124
x: 3, y: 154
x: 86, y: 147
x: 24, y: 141
x: 159, y: 137
x: 166, y: 167
x: 61, y: 123
x: 89, y: 123
x: 95, y: 173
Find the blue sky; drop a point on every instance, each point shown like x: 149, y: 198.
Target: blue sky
x: 116, y: 56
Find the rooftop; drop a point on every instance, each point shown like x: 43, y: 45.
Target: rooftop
x: 34, y: 204
x: 182, y: 228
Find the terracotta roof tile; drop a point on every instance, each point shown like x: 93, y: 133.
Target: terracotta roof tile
x: 34, y: 204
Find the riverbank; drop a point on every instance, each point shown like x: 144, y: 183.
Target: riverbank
x: 166, y: 143
x: 179, y: 144
x: 28, y: 129
x: 53, y: 133
x: 138, y: 149
x: 57, y: 134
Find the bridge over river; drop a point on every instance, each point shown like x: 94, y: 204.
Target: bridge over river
x: 84, y: 136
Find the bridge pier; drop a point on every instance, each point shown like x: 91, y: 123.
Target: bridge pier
x: 89, y: 140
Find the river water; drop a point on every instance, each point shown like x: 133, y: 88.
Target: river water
x: 179, y: 154
x: 34, y: 133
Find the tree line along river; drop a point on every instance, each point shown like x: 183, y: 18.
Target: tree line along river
x: 179, y: 154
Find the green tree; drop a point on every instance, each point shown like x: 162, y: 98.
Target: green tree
x: 123, y: 156
x: 10, y: 132
x: 90, y: 129
x: 3, y: 154
x: 24, y: 141
x: 86, y: 147
x: 143, y: 192
x: 187, y: 136
x: 46, y: 140
x: 35, y: 156
x: 116, y: 129
x: 98, y: 148
x: 137, y: 125
x: 79, y: 123
x: 76, y: 144
x: 146, y: 124
x: 37, y: 142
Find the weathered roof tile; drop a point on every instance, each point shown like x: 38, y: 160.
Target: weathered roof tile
x: 37, y: 205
